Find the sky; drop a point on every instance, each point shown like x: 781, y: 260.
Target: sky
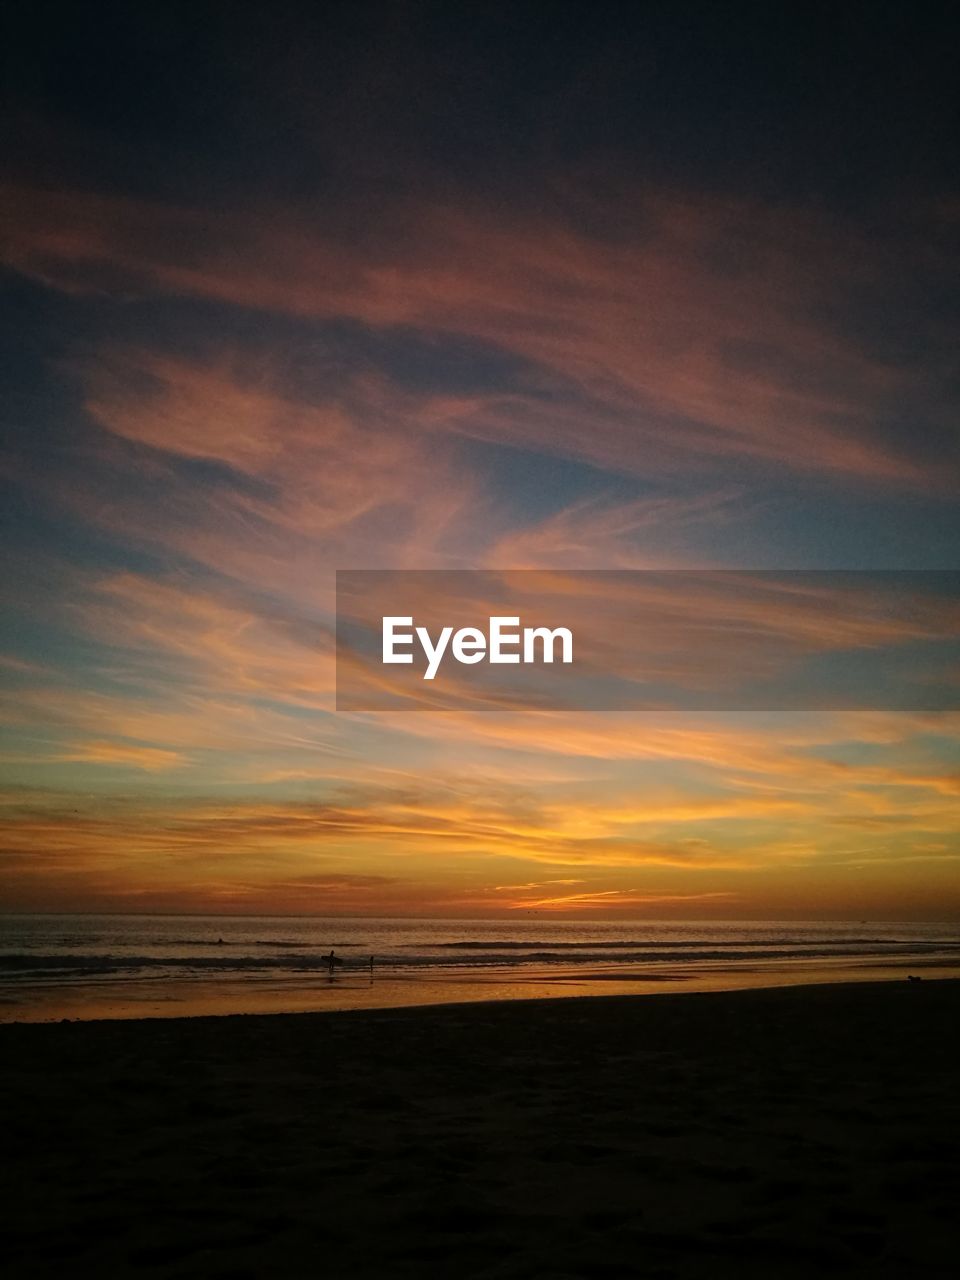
x: 298, y: 288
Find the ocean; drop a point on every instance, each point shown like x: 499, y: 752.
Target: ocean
x: 113, y: 965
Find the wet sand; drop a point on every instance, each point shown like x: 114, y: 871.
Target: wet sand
x: 763, y: 1133
x: 395, y: 988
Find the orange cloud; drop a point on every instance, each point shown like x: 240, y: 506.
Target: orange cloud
x: 635, y: 357
x: 617, y: 899
x: 149, y: 758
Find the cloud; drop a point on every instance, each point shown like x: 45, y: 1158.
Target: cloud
x: 351, y: 477
x: 139, y: 757
x: 704, y: 345
x: 597, y: 533
x: 704, y: 336
x: 608, y: 899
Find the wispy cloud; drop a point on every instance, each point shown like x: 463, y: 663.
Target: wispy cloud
x: 704, y: 336
x: 670, y: 382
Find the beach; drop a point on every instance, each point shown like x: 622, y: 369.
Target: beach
x: 134, y: 966
x: 778, y: 1132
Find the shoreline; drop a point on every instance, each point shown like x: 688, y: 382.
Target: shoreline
x: 483, y: 1000
x: 165, y: 999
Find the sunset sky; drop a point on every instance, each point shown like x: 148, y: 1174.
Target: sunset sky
x: 292, y: 289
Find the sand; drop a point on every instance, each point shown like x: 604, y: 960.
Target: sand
x: 775, y: 1133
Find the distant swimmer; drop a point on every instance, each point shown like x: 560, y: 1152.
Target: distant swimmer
x: 219, y: 942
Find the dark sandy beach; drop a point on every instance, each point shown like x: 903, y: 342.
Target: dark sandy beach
x: 774, y: 1133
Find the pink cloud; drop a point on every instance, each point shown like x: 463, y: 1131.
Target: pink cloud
x: 701, y: 340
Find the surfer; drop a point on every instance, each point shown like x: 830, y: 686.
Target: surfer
x: 332, y: 962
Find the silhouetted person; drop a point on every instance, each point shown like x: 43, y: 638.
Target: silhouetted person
x: 331, y: 962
